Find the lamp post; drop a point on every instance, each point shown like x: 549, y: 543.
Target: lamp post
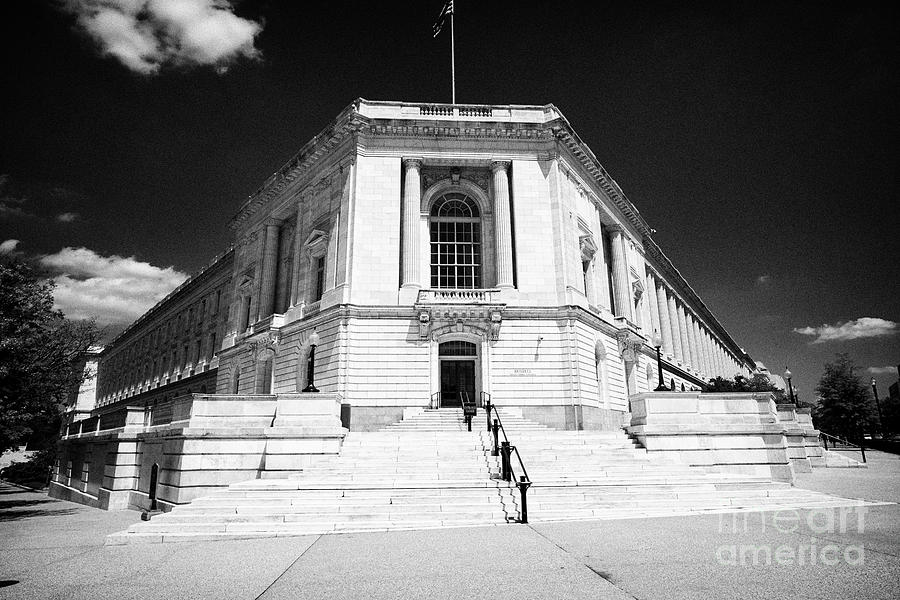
x: 657, y: 342
x: 787, y: 375
x: 311, y: 363
x: 878, y: 406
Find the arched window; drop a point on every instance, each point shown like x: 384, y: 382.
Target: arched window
x: 455, y: 242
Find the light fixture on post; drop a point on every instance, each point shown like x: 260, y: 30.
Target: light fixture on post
x: 311, y: 363
x: 878, y: 406
x: 787, y: 376
x: 657, y: 343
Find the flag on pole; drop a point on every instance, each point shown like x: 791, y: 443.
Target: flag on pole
x: 439, y: 24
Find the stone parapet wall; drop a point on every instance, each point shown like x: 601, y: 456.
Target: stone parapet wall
x: 200, y: 442
x: 740, y: 433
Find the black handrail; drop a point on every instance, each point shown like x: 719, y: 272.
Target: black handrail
x: 835, y: 440
x: 505, y: 450
x: 469, y: 408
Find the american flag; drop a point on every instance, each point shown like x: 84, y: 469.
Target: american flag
x: 439, y: 24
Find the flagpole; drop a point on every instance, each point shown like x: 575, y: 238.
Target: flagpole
x: 453, y: 53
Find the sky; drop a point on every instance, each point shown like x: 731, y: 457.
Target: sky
x: 760, y: 140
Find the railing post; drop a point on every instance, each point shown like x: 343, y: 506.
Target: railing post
x: 504, y: 461
x: 862, y: 449
x: 496, y: 449
x: 825, y: 440
x: 469, y: 422
x: 487, y: 411
x: 524, y: 484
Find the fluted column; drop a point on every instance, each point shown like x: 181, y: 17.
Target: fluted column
x: 698, y: 347
x: 295, y: 266
x: 677, y: 348
x: 692, y: 343
x: 502, y: 224
x: 620, y: 274
x: 682, y: 333
x: 412, y: 209
x: 651, y: 303
x: 704, y: 342
x: 267, y: 277
x: 665, y: 327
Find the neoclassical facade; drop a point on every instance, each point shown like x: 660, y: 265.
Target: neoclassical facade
x: 434, y: 250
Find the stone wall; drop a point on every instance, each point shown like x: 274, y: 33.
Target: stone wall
x: 200, y: 442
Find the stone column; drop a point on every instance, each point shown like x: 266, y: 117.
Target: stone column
x: 620, y: 274
x: 412, y: 209
x: 682, y: 332
x: 677, y: 349
x: 295, y: 266
x: 267, y: 277
x: 689, y: 331
x: 651, y: 303
x: 695, y: 344
x: 502, y: 224
x: 705, y: 341
x: 698, y: 345
x: 665, y: 327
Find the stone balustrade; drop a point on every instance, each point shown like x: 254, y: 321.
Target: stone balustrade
x: 458, y: 296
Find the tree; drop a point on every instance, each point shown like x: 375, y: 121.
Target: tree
x: 845, y: 406
x: 40, y: 352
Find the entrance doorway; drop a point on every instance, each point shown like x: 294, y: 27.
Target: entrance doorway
x: 457, y: 369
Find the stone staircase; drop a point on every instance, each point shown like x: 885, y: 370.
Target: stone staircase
x: 606, y: 475
x: 843, y: 459
x: 428, y: 471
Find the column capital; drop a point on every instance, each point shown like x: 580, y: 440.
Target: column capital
x: 500, y: 165
x: 413, y: 162
x: 272, y: 222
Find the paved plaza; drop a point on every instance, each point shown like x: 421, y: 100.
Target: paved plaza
x: 55, y: 549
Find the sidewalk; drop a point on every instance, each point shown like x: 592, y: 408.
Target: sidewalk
x: 54, y: 549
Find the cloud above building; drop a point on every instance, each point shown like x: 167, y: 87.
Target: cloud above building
x: 889, y: 370
x: 114, y: 290
x: 8, y: 246
x: 864, y: 327
x: 67, y: 217
x: 147, y: 35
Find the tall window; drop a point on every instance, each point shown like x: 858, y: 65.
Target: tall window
x: 607, y: 251
x: 455, y: 242
x: 320, y: 278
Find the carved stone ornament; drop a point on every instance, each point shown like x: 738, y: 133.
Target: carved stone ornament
x: 424, y: 325
x: 588, y: 247
x: 436, y: 323
x: 262, y: 345
x: 629, y: 345
x: 638, y: 289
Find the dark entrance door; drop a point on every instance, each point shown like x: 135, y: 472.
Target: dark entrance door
x: 457, y: 376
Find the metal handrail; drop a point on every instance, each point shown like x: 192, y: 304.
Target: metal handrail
x: 835, y: 440
x: 505, y: 450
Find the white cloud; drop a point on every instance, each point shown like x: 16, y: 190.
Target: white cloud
x: 8, y: 246
x: 67, y: 217
x: 882, y: 370
x: 113, y: 289
x: 764, y: 280
x: 864, y: 327
x: 145, y: 35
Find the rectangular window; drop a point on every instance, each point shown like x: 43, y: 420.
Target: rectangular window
x: 212, y: 345
x: 607, y: 251
x: 320, y: 278
x: 218, y: 299
x: 455, y: 255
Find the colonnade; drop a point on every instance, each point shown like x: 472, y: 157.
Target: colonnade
x: 686, y: 339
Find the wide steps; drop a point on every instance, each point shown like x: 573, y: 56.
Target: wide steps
x: 428, y: 471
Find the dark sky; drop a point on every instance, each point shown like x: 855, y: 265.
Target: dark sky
x: 760, y: 140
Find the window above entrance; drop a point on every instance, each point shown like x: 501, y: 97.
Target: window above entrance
x: 456, y: 259
x: 457, y: 348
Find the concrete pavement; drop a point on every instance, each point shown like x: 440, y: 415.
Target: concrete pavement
x: 55, y: 549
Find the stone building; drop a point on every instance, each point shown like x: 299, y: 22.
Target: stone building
x: 436, y: 251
